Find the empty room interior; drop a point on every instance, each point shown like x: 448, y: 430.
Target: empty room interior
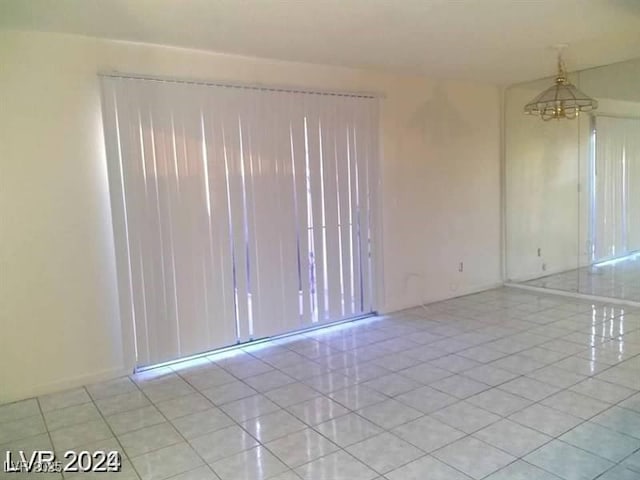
x: 328, y: 240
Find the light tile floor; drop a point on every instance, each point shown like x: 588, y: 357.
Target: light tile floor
x: 501, y: 385
x: 617, y: 280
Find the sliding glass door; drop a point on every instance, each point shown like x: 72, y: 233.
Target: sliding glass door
x: 239, y: 213
x: 616, y: 187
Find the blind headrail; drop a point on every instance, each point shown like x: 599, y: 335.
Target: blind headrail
x: 268, y: 88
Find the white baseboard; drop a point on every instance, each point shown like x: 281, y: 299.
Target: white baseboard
x: 541, y: 275
x: 576, y: 295
x: 459, y: 293
x: 29, y: 391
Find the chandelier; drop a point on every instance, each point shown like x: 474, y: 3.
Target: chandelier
x: 562, y: 100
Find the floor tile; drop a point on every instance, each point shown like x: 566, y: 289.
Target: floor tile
x: 581, y: 366
x: 148, y: 376
x: 229, y: 392
x: 317, y: 410
x: 620, y: 472
x: 291, y: 394
x: 281, y: 358
x: 288, y: 475
x: 482, y: 354
x: 158, y: 391
x: 529, y: 388
x: 499, y: 402
x: 564, y: 347
x: 521, y: 470
x: 575, y: 404
x: 121, y: 403
x: 149, y: 438
x: 425, y: 353
x: 626, y: 377
x: 301, y: 447
x: 269, y: 381
x: 166, y: 462
x: 426, y: 399
x: 632, y: 403
x: 303, y: 370
x: 108, y: 444
x: 601, y: 441
x: 254, y: 464
x: 65, y: 417
x: 184, y: 405
x: 556, y: 376
x: 23, y: 428
x: 621, y: 420
x: 194, y: 365
x: 459, y: 386
x: 600, y: 390
x: 465, y: 417
x: 348, y: 429
x: 384, y: 452
x: 426, y: 468
x: 512, y: 437
x: 329, y: 382
x: 568, y: 462
x: 424, y: 373
x: 27, y: 445
x: 428, y: 434
x: 454, y: 363
x: 395, y: 362
x: 392, y: 384
x: 490, y: 375
x: 389, y: 414
x: 247, y: 368
x: 127, y: 472
x: 18, y: 410
x: 473, y: 457
x: 134, y: 419
x: 64, y: 399
x: 209, y: 378
x: 77, y: 436
x: 357, y: 396
x: 633, y: 462
x: 518, y: 363
x: 203, y: 422
x: 203, y: 472
x: 249, y: 407
x: 118, y: 386
x: 546, y: 420
x: 273, y: 425
x: 222, y: 443
x: 336, y: 466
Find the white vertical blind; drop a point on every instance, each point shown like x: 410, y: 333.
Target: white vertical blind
x: 239, y: 213
x: 617, y: 187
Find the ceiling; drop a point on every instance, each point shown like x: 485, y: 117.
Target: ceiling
x: 497, y: 41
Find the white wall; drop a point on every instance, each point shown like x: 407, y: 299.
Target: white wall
x: 59, y: 314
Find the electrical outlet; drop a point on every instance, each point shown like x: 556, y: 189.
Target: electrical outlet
x: 539, y: 252
x: 461, y: 267
x: 544, y: 267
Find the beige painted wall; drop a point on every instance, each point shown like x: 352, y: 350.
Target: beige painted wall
x: 59, y: 313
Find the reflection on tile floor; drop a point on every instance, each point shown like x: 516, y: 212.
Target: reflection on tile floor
x: 619, y: 279
x: 501, y: 385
